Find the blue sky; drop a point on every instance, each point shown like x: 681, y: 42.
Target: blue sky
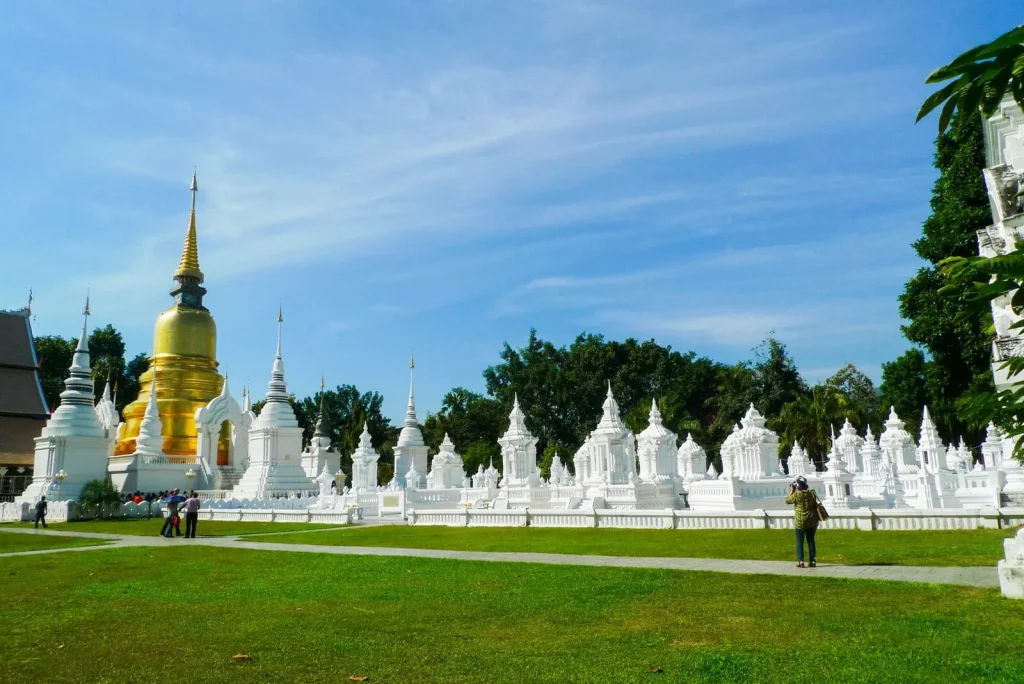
x: 441, y: 176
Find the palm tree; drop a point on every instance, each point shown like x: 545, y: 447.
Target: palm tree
x: 983, y: 76
x: 812, y: 418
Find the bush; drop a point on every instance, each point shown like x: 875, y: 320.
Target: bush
x: 99, y: 494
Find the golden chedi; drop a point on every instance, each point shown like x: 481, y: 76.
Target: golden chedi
x: 184, y: 361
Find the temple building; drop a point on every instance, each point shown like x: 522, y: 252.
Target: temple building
x: 185, y: 356
x: 23, y: 408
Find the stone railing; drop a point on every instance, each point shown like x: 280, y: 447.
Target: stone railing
x: 853, y: 519
x: 344, y: 517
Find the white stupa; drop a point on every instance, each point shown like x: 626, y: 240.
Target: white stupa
x: 411, y: 451
x: 275, y: 442
x: 74, y: 442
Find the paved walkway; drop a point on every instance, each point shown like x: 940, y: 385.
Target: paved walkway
x: 964, y: 576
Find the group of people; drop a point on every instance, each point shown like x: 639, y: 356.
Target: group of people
x: 176, y: 504
x: 148, y: 497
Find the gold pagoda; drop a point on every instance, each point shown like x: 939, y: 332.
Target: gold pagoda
x: 185, y: 361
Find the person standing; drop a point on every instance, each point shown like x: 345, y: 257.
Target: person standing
x: 41, y: 512
x: 805, y: 519
x: 191, y: 507
x: 172, y: 523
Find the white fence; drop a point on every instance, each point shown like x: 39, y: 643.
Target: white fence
x: 857, y: 519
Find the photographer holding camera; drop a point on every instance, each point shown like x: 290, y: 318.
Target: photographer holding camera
x: 805, y: 519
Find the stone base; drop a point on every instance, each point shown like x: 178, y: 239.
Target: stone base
x: 130, y: 474
x: 1011, y: 570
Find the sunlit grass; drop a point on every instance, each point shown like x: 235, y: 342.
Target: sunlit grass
x: 957, y: 548
x: 145, y: 615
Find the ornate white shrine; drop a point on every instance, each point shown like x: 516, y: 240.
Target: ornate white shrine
x: 520, y: 485
x: 364, y: 463
x: 446, y: 470
x: 657, y: 448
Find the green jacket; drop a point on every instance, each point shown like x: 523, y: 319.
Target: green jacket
x: 806, y: 512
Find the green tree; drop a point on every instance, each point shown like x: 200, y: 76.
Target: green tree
x: 905, y: 388
x: 562, y: 389
x: 106, y: 358
x: 777, y: 381
x: 860, y: 391
x: 983, y: 75
x: 811, y: 419
x: 55, y: 354
x: 346, y: 409
x: 958, y: 345
x: 101, y: 495
x: 472, y: 422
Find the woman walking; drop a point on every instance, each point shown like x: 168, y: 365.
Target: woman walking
x: 805, y: 519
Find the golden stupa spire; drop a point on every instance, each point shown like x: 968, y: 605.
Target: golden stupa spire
x: 189, y: 265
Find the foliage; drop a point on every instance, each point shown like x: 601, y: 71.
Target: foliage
x: 55, y: 354
x: 904, y: 387
x: 958, y: 345
x: 562, y: 389
x: 106, y: 357
x: 472, y: 422
x: 99, y: 493
x: 813, y: 418
x: 776, y: 380
x: 977, y: 281
x: 346, y: 409
x: 983, y: 75
x: 859, y: 390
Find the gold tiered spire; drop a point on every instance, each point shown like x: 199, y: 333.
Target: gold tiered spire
x: 189, y: 265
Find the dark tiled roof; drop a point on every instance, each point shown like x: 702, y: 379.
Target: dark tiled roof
x: 16, y: 345
x: 20, y: 391
x: 17, y: 435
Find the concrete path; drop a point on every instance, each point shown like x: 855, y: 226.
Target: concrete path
x: 963, y: 576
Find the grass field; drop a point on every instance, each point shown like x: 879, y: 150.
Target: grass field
x: 145, y: 615
x: 211, y: 528
x: 955, y: 548
x: 10, y: 543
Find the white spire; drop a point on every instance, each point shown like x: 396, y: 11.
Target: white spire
x: 150, y: 440
x: 610, y: 418
x: 410, y: 409
x: 277, y: 411
x: 410, y: 434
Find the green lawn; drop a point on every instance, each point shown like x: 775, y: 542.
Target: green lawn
x: 961, y: 548
x: 10, y: 543
x: 212, y: 528
x: 105, y: 616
